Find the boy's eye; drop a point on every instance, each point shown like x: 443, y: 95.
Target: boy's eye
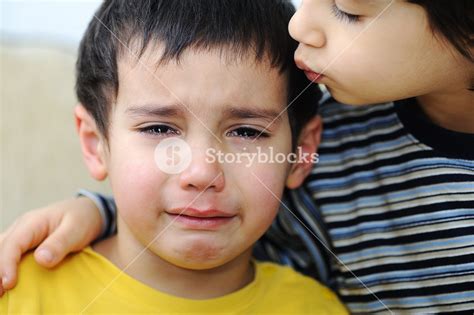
x: 344, y: 16
x: 160, y: 130
x: 247, y: 133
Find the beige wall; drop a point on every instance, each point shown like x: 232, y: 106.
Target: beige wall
x: 40, y: 155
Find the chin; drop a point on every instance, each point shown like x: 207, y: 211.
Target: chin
x: 199, y: 255
x: 197, y: 262
x: 198, y: 265
x: 351, y: 99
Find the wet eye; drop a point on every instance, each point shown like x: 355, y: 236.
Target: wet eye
x: 247, y: 133
x: 160, y: 130
x: 344, y: 16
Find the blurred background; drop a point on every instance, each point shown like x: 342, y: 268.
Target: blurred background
x: 40, y: 157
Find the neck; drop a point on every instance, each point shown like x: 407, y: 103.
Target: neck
x: 453, y: 110
x: 150, y: 269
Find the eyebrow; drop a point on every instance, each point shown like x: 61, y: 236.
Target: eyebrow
x: 176, y: 110
x: 245, y: 113
x: 154, y: 111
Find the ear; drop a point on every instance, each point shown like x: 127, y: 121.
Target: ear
x: 308, y: 144
x: 92, y: 143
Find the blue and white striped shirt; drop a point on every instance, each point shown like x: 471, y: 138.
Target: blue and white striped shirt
x: 392, y: 203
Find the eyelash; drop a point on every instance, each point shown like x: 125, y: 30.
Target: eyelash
x: 243, y: 132
x: 344, y: 16
x: 158, y: 130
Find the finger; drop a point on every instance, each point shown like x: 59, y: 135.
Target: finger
x: 15, y: 243
x: 7, y: 232
x: 64, y: 240
x: 1, y: 288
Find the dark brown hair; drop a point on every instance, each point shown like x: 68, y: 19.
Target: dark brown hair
x: 256, y: 27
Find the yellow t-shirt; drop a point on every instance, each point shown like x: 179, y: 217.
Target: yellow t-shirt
x: 87, y: 283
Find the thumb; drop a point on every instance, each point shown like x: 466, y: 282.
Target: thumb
x: 63, y: 241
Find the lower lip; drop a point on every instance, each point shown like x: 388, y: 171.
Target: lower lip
x: 314, y: 76
x: 200, y: 223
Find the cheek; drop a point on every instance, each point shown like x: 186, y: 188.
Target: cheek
x: 135, y: 179
x: 368, y: 74
x: 263, y: 188
x: 386, y: 61
x: 364, y: 61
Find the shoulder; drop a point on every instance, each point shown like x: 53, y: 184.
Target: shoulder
x: 290, y: 278
x: 298, y: 289
x: 358, y: 128
x: 57, y: 289
x: 332, y: 110
x: 345, y: 119
x: 33, y: 278
x: 70, y: 263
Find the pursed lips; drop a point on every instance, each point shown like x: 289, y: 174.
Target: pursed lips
x: 313, y: 76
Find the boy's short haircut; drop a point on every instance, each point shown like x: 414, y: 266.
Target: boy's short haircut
x: 241, y: 27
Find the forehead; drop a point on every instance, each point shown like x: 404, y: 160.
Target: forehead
x: 212, y: 77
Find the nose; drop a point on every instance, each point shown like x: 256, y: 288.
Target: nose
x: 204, y: 173
x: 304, y: 28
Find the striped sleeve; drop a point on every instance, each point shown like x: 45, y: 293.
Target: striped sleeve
x: 397, y: 198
